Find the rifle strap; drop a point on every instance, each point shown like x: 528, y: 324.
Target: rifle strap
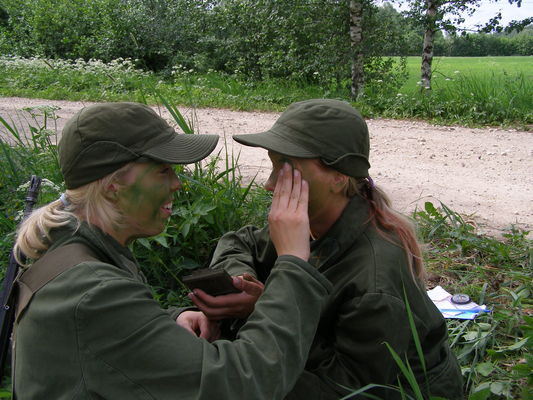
x: 48, y: 267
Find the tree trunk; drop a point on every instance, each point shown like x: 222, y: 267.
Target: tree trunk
x: 356, y: 37
x: 427, y: 52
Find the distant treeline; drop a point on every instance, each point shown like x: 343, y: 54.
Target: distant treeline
x: 482, y: 44
x: 301, y: 39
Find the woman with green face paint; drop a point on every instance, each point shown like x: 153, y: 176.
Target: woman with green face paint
x: 86, y: 323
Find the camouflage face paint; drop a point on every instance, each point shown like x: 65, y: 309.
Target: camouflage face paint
x: 145, y: 198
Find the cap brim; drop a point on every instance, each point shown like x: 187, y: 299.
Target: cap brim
x: 273, y: 141
x: 183, y: 148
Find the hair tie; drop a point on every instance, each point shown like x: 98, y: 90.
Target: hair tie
x: 64, y: 200
x: 370, y: 188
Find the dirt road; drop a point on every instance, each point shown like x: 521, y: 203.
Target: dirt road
x: 484, y: 174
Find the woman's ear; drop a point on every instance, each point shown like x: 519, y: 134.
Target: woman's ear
x: 339, y: 182
x: 111, y: 192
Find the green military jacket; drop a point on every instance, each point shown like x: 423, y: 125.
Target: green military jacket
x: 95, y: 332
x: 365, y: 310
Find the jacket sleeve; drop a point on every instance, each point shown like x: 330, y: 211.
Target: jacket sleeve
x: 358, y: 353
x: 130, y: 348
x: 246, y: 250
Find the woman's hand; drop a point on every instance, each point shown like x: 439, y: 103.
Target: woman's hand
x: 288, y: 219
x: 234, y: 305
x: 199, y: 325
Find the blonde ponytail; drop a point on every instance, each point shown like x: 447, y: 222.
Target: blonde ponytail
x: 33, y: 237
x: 88, y: 203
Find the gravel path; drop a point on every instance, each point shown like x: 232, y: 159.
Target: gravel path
x: 484, y: 174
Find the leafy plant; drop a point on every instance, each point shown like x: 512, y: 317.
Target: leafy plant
x: 492, y: 349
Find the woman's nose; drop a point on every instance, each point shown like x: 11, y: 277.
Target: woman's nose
x: 176, y: 183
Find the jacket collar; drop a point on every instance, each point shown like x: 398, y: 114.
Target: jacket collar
x: 346, y: 230
x: 105, y: 246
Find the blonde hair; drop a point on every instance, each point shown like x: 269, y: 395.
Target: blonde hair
x: 387, y: 221
x: 90, y: 203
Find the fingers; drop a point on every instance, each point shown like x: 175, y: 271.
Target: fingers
x: 278, y: 188
x: 213, y: 309
x: 296, y: 188
x: 303, y: 200
x: 288, y: 218
x: 249, y: 285
x: 235, y: 305
x: 209, y: 330
x: 284, y: 187
x: 197, y: 324
x: 187, y: 320
x: 288, y: 190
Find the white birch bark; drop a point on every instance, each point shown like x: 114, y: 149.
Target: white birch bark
x: 427, y: 51
x: 356, y: 37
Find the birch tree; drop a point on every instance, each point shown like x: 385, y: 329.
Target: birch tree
x: 427, y: 50
x: 447, y: 15
x: 356, y: 39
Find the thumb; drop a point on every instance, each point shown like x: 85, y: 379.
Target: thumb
x: 253, y: 288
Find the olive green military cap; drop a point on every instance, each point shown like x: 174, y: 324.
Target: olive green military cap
x: 102, y: 138
x: 330, y: 130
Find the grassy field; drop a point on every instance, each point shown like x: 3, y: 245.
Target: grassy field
x: 481, y: 67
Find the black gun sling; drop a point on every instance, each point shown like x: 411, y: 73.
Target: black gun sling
x: 48, y: 267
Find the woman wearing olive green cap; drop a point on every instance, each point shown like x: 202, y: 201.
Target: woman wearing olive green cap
x: 368, y: 251
x: 86, y: 323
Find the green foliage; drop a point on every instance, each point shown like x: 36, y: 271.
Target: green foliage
x: 27, y: 147
x: 77, y: 80
x: 494, y: 349
x: 304, y: 40
x: 476, y: 45
x: 472, y: 91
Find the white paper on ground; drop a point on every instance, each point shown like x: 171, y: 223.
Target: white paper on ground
x: 443, y: 300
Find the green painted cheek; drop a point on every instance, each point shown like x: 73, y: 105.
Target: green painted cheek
x: 145, y: 198
x: 140, y: 196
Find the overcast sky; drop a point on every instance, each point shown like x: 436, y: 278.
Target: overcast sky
x: 489, y: 9
x: 510, y: 12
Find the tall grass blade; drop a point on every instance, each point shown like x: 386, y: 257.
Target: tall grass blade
x: 414, y: 332
x: 6, y: 149
x: 362, y: 391
x: 407, y: 372
x: 176, y: 114
x: 12, y: 129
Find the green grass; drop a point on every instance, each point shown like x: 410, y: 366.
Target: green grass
x: 472, y: 91
x: 476, y: 91
x: 120, y: 81
x: 483, y: 67
x: 494, y: 350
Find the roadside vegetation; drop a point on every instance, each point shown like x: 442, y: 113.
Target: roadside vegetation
x: 475, y: 91
x: 494, y: 350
